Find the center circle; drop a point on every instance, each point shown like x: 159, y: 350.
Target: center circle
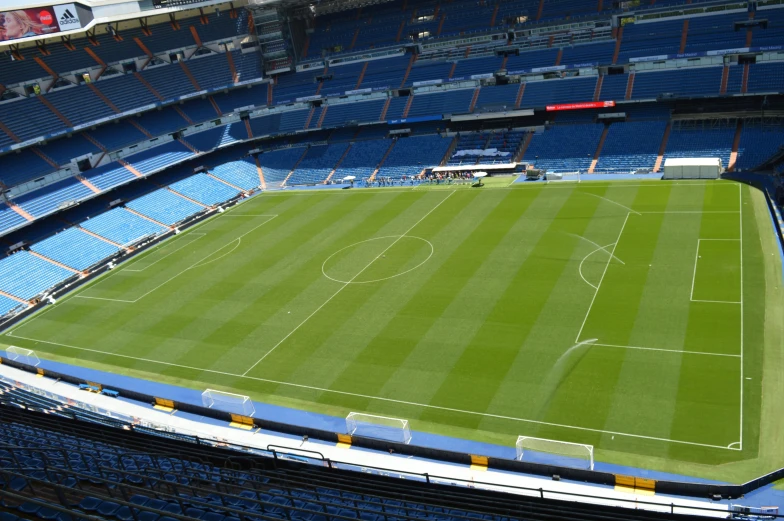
x: 377, y: 258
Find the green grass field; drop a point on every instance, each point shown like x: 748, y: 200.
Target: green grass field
x: 631, y: 316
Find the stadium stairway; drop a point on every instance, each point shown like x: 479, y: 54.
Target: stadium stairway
x: 337, y: 165
x: 56, y: 263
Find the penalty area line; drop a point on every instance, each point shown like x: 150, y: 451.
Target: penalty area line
x: 158, y: 247
x: 201, y: 262
x: 676, y: 351
x: 391, y: 400
x: 609, y: 259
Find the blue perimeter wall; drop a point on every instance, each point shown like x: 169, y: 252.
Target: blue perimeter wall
x: 325, y: 422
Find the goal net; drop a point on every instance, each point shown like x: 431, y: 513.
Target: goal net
x: 379, y: 427
x: 228, y: 402
x: 563, y: 176
x: 22, y: 355
x: 554, y: 452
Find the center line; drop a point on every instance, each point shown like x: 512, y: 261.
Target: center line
x: 345, y: 284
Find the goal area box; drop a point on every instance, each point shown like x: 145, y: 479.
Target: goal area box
x: 228, y: 402
x: 378, y: 427
x: 554, y: 452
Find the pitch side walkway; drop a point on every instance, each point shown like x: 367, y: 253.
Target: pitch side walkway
x: 322, y: 421
x: 353, y: 458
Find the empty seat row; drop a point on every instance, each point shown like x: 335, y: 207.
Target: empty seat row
x: 25, y: 276
x: 75, y: 248
x: 122, y: 227
x: 204, y: 189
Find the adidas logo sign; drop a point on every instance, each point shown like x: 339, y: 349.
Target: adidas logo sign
x: 67, y: 17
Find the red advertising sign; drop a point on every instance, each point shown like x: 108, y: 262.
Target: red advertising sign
x: 581, y: 105
x: 25, y: 23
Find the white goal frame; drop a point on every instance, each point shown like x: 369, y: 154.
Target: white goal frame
x: 577, y: 451
x: 397, y: 428
x: 22, y: 355
x: 563, y: 177
x: 228, y: 402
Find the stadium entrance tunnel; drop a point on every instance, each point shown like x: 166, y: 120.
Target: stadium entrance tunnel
x: 377, y: 259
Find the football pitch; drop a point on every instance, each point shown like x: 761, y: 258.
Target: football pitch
x: 627, y: 315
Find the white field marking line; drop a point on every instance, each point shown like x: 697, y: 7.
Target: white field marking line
x: 323, y: 264
x: 580, y: 269
x: 694, y: 273
x: 380, y: 398
x: 691, y: 211
x: 704, y: 353
x: 186, y: 243
x: 600, y: 247
x: 346, y: 284
x: 612, y: 254
x: 165, y: 242
x: 192, y: 266
x: 130, y: 262
x: 238, y: 240
x: 522, y: 186
x: 694, y: 276
x: 613, y: 202
x: 513, y: 181
x: 740, y: 238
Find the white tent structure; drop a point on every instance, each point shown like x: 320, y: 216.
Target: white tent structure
x: 692, y: 168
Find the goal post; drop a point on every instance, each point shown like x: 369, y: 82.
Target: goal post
x: 573, y: 177
x: 554, y: 452
x: 22, y: 355
x: 379, y: 427
x: 228, y: 402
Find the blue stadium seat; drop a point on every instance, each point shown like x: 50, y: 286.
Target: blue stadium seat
x: 126, y: 92
x: 363, y: 158
x: 164, y: 207
x: 7, y: 305
x: 204, y: 189
x: 25, y: 276
x: 701, y: 139
x: 436, y: 104
x: 566, y: 148
x: 163, y: 121
x: 411, y: 155
x: 631, y: 145
x: 159, y: 157
x: 277, y: 164
x: 10, y: 219
x: 108, y: 176
x: 217, y: 137
x: 50, y: 198
x: 64, y: 149
x: 23, y: 165
x: 75, y: 248
x: 342, y: 113
x: 122, y: 227
x: 114, y: 136
x: 242, y: 173
x: 758, y: 142
x: 317, y: 164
